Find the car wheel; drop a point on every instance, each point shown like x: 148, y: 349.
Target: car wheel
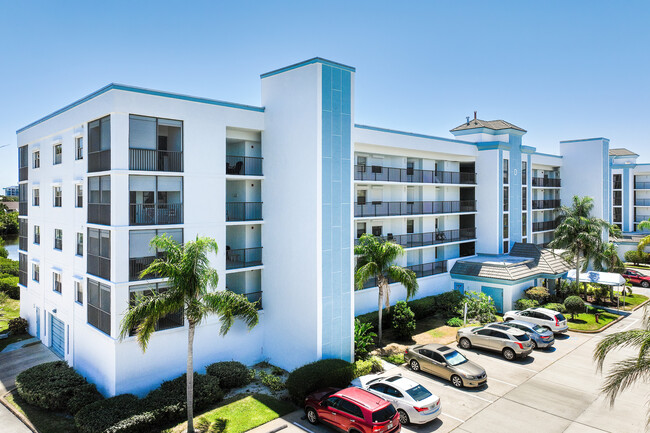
x: 534, y: 345
x: 312, y: 416
x: 415, y: 366
x: 645, y: 284
x: 509, y: 354
x: 465, y: 343
x: 403, y: 417
x: 456, y: 381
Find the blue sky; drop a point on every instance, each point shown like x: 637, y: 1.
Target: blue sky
x: 561, y: 70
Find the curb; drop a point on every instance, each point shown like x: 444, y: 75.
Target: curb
x: 17, y: 414
x: 640, y: 305
x: 601, y: 329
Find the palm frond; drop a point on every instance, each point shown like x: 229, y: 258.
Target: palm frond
x: 630, y: 338
x: 624, y: 374
x: 406, y: 277
x: 364, y: 273
x: 229, y: 306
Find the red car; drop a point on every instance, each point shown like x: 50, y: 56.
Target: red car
x: 636, y: 277
x: 352, y: 410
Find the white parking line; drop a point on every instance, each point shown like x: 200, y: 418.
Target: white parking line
x: 507, y: 383
x: 452, y: 417
x: 304, y: 428
x: 469, y: 394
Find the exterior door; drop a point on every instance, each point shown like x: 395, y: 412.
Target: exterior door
x: 497, y: 296
x: 460, y: 287
x: 58, y: 336
x: 38, y: 323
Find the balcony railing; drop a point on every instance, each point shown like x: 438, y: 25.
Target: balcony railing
x: 546, y: 181
x: 161, y: 213
x: 99, y: 161
x: 642, y: 202
x: 243, y: 165
x: 139, y: 264
x: 642, y: 185
x: 99, y: 213
x: 544, y: 225
x: 411, y: 240
x: 155, y: 160
x: 392, y: 208
x: 243, y: 258
x: 99, y: 266
x: 23, y: 173
x: 390, y: 174
x: 243, y: 211
x: 423, y: 270
x: 546, y: 204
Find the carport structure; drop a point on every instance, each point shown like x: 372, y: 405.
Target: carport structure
x: 605, y: 278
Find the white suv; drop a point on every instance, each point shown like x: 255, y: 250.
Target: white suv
x: 552, y: 320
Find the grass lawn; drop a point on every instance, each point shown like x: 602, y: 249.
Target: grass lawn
x: 631, y: 301
x: 9, y: 310
x: 44, y: 420
x: 587, y: 321
x: 243, y: 413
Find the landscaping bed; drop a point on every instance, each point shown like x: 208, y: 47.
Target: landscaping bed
x: 587, y: 321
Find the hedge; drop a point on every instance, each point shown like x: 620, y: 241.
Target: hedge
x: 8, y: 266
x: 231, y: 374
x: 319, y: 374
x: 9, y: 285
x: 102, y: 415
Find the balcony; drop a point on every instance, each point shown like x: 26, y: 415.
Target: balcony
x: 155, y: 214
x: 139, y: 264
x: 99, y: 161
x: 546, y: 182
x: 396, y: 208
x: 377, y: 173
x: 412, y: 240
x: 243, y: 258
x: 546, y: 204
x: 244, y: 165
x: 155, y: 160
x: 243, y: 211
x: 642, y: 202
x: 423, y: 270
x: 99, y: 266
x: 99, y: 213
x: 544, y: 226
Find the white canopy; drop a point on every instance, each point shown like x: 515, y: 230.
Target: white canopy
x: 606, y: 278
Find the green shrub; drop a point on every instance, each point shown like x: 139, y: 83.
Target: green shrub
x: 599, y: 292
x: 373, y: 319
x: 479, y: 307
x: 273, y: 382
x: 539, y: 294
x: 8, y: 266
x: 277, y: 371
x: 50, y: 385
x: 363, y: 338
x: 18, y: 326
x: 635, y: 256
x: 102, y: 415
x: 319, y: 374
x: 231, y: 374
x: 403, y: 320
x: 565, y: 289
x: 368, y: 366
x: 424, y: 307
x: 455, y: 322
x: 9, y: 285
x: 82, y: 397
x: 396, y: 359
x: 574, y: 305
x: 447, y: 303
x: 523, y: 303
x: 556, y: 307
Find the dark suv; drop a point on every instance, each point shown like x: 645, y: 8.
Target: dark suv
x: 352, y: 410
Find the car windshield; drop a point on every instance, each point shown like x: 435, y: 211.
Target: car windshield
x: 385, y: 414
x: 523, y: 337
x: 455, y: 358
x: 419, y: 393
x: 559, y: 317
x: 539, y: 329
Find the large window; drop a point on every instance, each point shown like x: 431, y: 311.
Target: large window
x: 22, y: 199
x: 58, y: 239
x: 99, y: 200
x: 36, y: 197
x: 172, y: 320
x: 505, y: 198
x: 23, y: 163
x: 155, y: 200
x: 79, y: 189
x: 56, y: 282
x: 155, y: 144
x: 37, y: 235
x: 99, y: 145
x: 79, y: 292
x: 141, y: 253
x: 524, y: 171
x: 57, y: 197
x: 58, y: 154
x: 36, y: 159
x: 505, y: 171
x: 80, y: 244
x: 99, y: 253
x: 22, y: 269
x: 79, y: 148
x: 524, y: 198
x: 99, y: 305
x: 23, y: 235
x: 36, y: 272
x: 524, y: 224
x: 505, y: 226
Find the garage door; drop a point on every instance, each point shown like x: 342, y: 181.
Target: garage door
x: 496, y: 294
x: 58, y: 336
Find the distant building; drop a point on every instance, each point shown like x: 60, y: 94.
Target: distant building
x: 11, y: 191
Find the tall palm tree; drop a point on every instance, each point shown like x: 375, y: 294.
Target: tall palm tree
x: 375, y: 260
x: 623, y: 374
x: 579, y: 233
x: 645, y: 241
x: 189, y: 274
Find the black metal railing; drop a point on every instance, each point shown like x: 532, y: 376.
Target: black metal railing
x: 139, y: 264
x: 547, y: 181
x: 23, y: 173
x: 642, y: 202
x: 411, y: 175
x: 391, y: 208
x: 544, y: 225
x: 243, y: 258
x: 641, y: 185
x: 155, y: 160
x: 244, y: 165
x: 98, y: 266
x: 411, y: 240
x: 243, y: 211
x: 546, y: 204
x: 150, y: 214
x: 99, y: 161
x: 423, y: 270
x: 99, y: 213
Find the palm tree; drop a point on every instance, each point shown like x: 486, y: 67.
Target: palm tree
x: 188, y: 270
x: 625, y: 373
x: 607, y: 260
x: 579, y: 233
x: 375, y: 258
x: 645, y: 241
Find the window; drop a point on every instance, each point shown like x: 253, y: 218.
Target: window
x: 524, y: 178
x: 57, y: 196
x: 22, y: 199
x: 524, y: 198
x: 23, y: 163
x: 155, y: 200
x: 36, y: 271
x: 505, y: 171
x: 99, y: 145
x: 361, y: 162
x: 377, y: 230
x: 56, y: 282
x: 409, y: 226
x: 99, y: 306
x: 58, y: 239
x: 79, y: 292
x: 58, y: 153
x: 80, y: 244
x: 361, y: 196
x: 361, y: 229
x: 141, y: 253
x: 22, y: 269
x: 37, y: 235
x: 79, y: 148
x: 505, y: 226
x: 505, y: 198
x: 506, y: 247
x: 155, y: 144
x: 22, y: 234
x: 99, y: 253
x: 36, y: 197
x: 351, y: 408
x: 172, y: 320
x: 523, y: 224
x: 36, y: 159
x: 99, y: 200
x: 80, y: 195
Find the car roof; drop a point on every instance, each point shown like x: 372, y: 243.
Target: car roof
x: 545, y: 310
x: 362, y: 397
x: 400, y: 382
x: 506, y: 329
x: 435, y: 346
x: 523, y: 323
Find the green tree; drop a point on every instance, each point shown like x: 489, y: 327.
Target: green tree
x: 375, y: 260
x: 607, y: 260
x: 8, y: 223
x: 579, y: 234
x: 645, y: 241
x: 189, y: 274
x: 623, y: 374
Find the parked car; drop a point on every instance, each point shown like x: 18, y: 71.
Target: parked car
x: 414, y: 403
x: 541, y: 337
x: 636, y: 277
x: 510, y: 342
x: 550, y: 319
x: 352, y: 410
x: 447, y: 363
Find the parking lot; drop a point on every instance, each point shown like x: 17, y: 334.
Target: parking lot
x: 550, y: 391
